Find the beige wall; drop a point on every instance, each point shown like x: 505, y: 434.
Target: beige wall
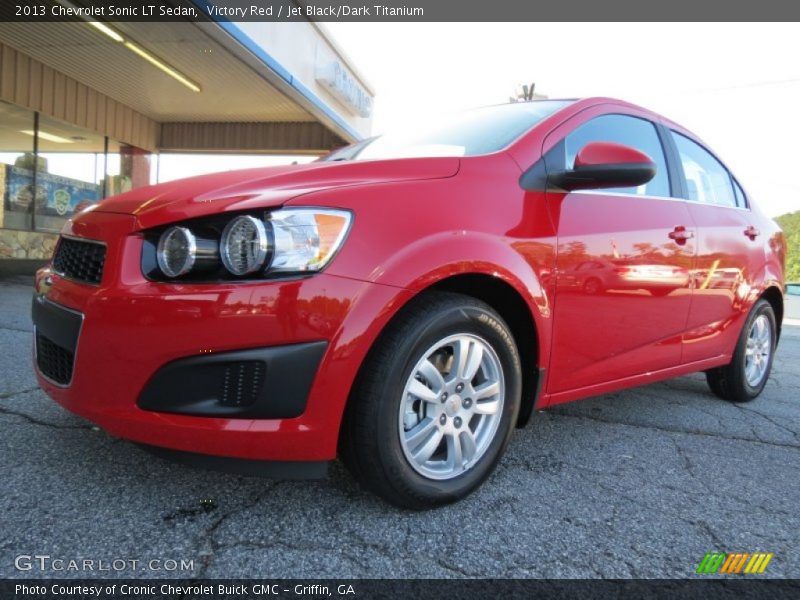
x: 276, y: 138
x: 28, y: 83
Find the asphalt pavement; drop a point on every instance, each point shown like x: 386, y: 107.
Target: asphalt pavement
x: 640, y: 483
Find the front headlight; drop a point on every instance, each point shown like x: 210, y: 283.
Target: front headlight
x: 244, y: 245
x: 177, y: 250
x: 279, y: 242
x: 305, y: 239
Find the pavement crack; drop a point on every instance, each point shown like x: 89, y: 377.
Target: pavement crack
x: 718, y: 543
x: 697, y: 432
x: 7, y: 395
x: 204, y: 506
x: 689, y: 466
x: 207, y: 543
x: 456, y: 569
x: 19, y: 329
x: 769, y: 419
x: 35, y: 421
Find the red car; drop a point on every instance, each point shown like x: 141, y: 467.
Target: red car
x: 399, y: 303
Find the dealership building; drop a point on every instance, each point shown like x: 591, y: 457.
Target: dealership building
x: 86, y: 109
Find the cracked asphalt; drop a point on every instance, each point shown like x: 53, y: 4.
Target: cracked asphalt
x: 640, y: 483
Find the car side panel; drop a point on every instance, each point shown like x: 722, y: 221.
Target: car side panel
x: 730, y: 267
x: 632, y: 321
x: 631, y: 318
x: 732, y: 270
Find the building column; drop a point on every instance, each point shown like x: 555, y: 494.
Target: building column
x: 135, y: 165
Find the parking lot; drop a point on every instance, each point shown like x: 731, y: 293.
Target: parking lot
x: 640, y: 483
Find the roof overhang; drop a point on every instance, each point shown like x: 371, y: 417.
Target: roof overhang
x: 239, y: 73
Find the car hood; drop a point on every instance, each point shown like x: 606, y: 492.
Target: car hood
x: 263, y: 187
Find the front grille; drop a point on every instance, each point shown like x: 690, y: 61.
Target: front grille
x: 242, y: 383
x: 54, y: 362
x: 82, y: 261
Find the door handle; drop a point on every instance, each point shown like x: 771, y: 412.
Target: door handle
x: 752, y: 232
x: 680, y: 234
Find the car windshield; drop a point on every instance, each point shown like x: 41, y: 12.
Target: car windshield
x: 470, y: 133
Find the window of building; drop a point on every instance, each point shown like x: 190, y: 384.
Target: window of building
x: 630, y: 131
x: 16, y: 166
x: 707, y: 180
x: 71, y: 167
x: 65, y: 167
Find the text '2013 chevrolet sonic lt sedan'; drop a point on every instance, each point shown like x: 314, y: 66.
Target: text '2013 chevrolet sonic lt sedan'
x: 406, y: 302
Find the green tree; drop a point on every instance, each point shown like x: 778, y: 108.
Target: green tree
x: 790, y: 223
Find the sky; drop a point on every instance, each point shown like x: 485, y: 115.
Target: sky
x: 737, y: 86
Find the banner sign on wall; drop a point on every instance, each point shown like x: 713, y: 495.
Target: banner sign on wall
x: 55, y: 195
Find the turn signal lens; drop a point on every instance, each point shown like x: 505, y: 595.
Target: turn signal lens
x: 305, y: 239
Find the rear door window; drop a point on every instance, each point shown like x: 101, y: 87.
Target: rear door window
x: 707, y: 179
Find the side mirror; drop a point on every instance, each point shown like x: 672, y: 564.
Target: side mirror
x: 606, y: 165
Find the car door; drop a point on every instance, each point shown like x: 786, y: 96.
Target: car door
x: 730, y: 251
x: 626, y: 314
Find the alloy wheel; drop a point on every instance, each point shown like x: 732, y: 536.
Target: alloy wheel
x: 451, y: 407
x: 758, y: 350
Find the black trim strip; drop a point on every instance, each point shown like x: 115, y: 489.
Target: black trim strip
x: 674, y: 166
x: 197, y: 385
x: 61, y: 325
x: 530, y: 405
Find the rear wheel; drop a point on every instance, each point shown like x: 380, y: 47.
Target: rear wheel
x: 592, y: 286
x: 744, y: 378
x: 661, y: 292
x: 434, y: 407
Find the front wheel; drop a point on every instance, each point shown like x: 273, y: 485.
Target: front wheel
x: 435, y: 403
x: 744, y: 378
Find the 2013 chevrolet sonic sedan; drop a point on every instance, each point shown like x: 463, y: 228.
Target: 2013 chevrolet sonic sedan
x: 405, y: 302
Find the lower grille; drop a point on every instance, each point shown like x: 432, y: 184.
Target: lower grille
x: 241, y: 384
x: 54, y: 362
x: 82, y: 261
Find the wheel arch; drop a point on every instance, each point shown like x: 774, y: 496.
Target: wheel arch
x: 475, y: 264
x: 516, y: 312
x: 774, y: 296
x: 509, y: 303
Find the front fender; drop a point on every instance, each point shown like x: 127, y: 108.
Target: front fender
x: 519, y: 264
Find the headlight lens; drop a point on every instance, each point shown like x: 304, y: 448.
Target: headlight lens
x: 305, y: 239
x: 292, y: 240
x: 244, y: 245
x: 176, y: 251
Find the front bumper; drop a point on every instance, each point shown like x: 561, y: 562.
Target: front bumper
x: 259, y: 383
x: 133, y: 331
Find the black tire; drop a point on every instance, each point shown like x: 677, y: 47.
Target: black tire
x: 592, y: 286
x: 729, y: 382
x: 370, y: 444
x: 661, y: 292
